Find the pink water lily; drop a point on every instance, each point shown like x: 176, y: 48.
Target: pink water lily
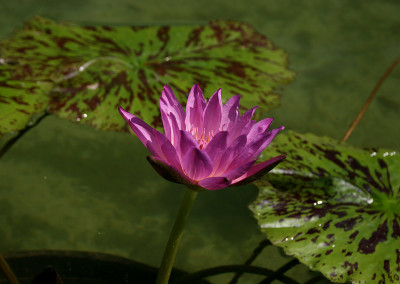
x: 211, y: 146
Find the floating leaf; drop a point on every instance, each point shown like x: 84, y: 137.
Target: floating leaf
x: 334, y: 207
x: 96, y: 69
x: 19, y: 101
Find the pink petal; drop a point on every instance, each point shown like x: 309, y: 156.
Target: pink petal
x: 255, y: 147
x: 171, y: 112
x: 194, y: 109
x: 176, y: 107
x: 258, y: 170
x: 268, y: 140
x: 217, y: 145
x: 246, y: 117
x: 126, y: 115
x: 242, y: 126
x: 169, y: 152
x: 174, y: 130
x: 196, y: 164
x: 230, y: 113
x: 167, y: 171
x: 143, y: 131
x: 260, y: 127
x: 214, y: 183
x: 221, y: 164
x: 213, y: 114
x: 187, y: 142
x: 239, y: 171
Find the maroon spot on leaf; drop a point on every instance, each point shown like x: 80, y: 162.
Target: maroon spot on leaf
x: 314, y: 240
x: 353, y: 267
x: 234, y: 67
x: 367, y: 176
x: 328, y: 252
x: 301, y: 239
x: 386, y: 266
x: 330, y: 236
x: 90, y: 28
x: 297, y: 235
x: 348, y: 224
x: 312, y: 231
x: 331, y: 155
x: 353, y: 235
x: 19, y: 100
x: 348, y: 254
x: 106, y: 28
x: 218, y: 31
x: 23, y: 111
x: 194, y: 37
x: 326, y: 225
x: 367, y: 246
x: 396, y: 227
x: 93, y: 102
x: 112, y: 45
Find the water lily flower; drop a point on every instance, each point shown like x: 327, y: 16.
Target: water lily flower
x: 211, y: 146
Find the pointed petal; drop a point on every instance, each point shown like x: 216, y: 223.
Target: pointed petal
x: 260, y: 127
x: 143, y: 131
x: 171, y: 109
x: 242, y: 126
x: 230, y: 113
x: 196, y: 164
x: 239, y: 171
x: 258, y: 170
x: 169, y: 152
x: 213, y: 115
x: 255, y: 147
x: 187, y: 142
x: 165, y: 119
x: 268, y: 140
x: 167, y: 171
x: 172, y: 131
x: 175, y: 107
x: 217, y: 145
x: 248, y: 114
x: 220, y: 165
x: 126, y: 115
x: 194, y: 109
x: 214, y: 183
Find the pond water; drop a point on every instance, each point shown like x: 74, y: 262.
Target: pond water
x: 68, y: 186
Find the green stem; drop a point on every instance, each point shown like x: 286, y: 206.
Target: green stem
x: 7, y: 271
x: 175, y: 237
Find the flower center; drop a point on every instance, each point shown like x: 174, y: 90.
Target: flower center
x: 201, y: 138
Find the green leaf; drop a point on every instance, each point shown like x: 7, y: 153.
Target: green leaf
x: 96, y: 69
x: 334, y: 207
x: 19, y: 101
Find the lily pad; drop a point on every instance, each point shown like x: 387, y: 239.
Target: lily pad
x: 334, y: 207
x: 98, y: 68
x: 19, y: 101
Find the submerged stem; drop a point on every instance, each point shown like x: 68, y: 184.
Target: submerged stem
x: 7, y: 271
x: 175, y: 237
x: 21, y: 133
x: 373, y: 93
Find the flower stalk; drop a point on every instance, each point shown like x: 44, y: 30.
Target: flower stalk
x: 175, y: 237
x: 7, y: 271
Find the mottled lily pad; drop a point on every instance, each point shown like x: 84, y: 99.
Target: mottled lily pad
x: 334, y: 207
x: 95, y: 69
x: 19, y: 101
